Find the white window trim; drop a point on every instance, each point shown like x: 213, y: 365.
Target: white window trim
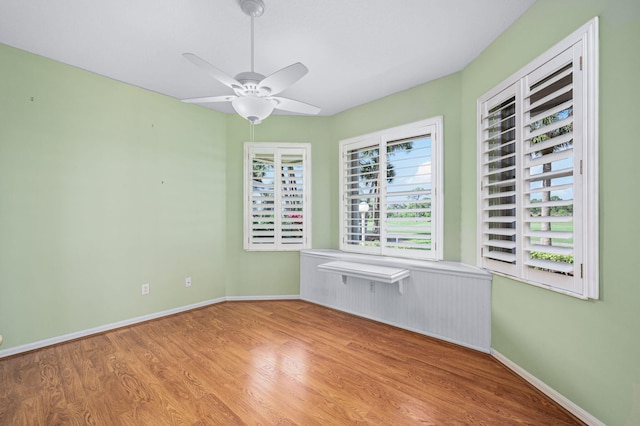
x: 247, y: 191
x: 588, y: 35
x: 418, y: 128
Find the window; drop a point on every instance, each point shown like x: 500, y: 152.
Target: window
x: 538, y: 192
x: 277, y: 196
x: 391, y: 189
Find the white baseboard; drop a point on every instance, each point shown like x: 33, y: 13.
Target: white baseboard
x: 547, y: 390
x: 100, y: 329
x: 250, y: 298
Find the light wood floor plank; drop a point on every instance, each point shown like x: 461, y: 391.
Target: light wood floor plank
x: 268, y: 362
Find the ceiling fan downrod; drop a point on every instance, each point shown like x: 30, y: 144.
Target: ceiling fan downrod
x: 253, y: 9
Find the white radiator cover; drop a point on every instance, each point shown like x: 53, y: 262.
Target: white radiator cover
x: 447, y: 300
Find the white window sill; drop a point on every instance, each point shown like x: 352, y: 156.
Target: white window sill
x: 440, y: 266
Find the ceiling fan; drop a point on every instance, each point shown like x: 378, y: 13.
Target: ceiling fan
x: 254, y: 97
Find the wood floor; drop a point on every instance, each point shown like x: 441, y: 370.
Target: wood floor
x: 268, y: 362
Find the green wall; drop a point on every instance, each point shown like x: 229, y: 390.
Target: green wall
x: 276, y: 273
x: 103, y: 187
x: 587, y: 351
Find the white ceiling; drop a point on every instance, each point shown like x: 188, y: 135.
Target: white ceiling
x: 356, y: 50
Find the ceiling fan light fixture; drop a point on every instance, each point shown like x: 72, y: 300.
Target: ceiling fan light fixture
x: 253, y: 108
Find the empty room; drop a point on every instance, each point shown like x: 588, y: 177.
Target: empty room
x: 319, y: 212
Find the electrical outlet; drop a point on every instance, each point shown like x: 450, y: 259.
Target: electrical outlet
x: 187, y: 282
x: 372, y: 287
x: 145, y: 289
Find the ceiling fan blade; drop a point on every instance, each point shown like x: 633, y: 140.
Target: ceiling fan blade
x: 210, y: 99
x: 214, y: 72
x: 291, y: 105
x: 280, y: 80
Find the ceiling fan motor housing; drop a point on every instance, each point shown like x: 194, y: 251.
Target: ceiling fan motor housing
x: 251, y: 84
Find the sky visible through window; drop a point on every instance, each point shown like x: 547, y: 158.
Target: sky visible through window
x: 414, y: 165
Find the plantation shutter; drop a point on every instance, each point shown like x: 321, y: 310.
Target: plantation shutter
x: 262, y: 199
x: 389, y: 186
x: 499, y: 182
x: 551, y: 170
x: 528, y: 176
x: 292, y: 197
x: 277, y: 187
x: 538, y: 170
x: 408, y: 195
x: 361, y: 192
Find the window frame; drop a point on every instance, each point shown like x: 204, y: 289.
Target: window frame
x: 435, y: 128
x: 277, y: 149
x: 584, y: 42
